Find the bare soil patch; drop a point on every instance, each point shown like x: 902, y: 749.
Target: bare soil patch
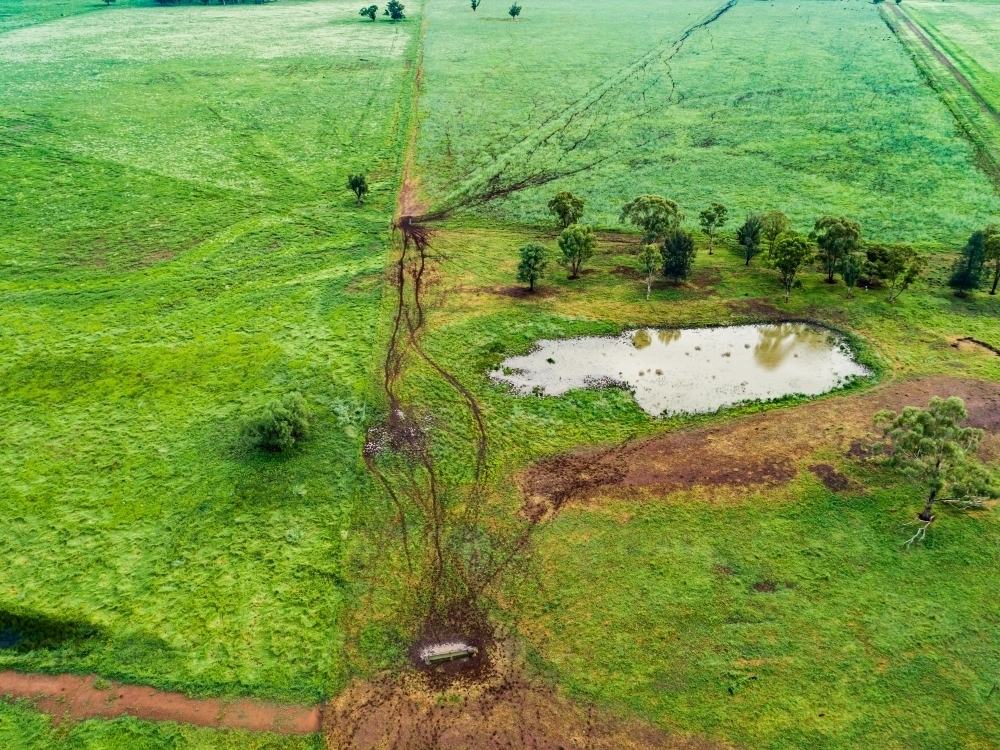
x: 764, y: 449
x: 832, y: 479
x: 504, y: 712
x: 521, y: 292
x: 79, y: 698
x: 755, y: 309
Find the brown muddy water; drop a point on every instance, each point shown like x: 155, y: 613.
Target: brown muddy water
x: 692, y: 370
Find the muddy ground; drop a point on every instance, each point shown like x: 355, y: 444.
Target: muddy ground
x: 765, y: 449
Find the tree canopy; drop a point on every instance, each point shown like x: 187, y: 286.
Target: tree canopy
x: 678, y: 252
x: 534, y: 259
x: 654, y: 214
x: 967, y: 272
x: 649, y: 263
x: 897, y: 266
x: 791, y: 252
x: 931, y: 447
x: 836, y: 236
x: 514, y: 11
x: 577, y: 243
x: 773, y: 223
x: 991, y: 248
x: 567, y: 208
x: 712, y: 219
x: 370, y: 12
x: 357, y: 184
x: 748, y: 236
x: 394, y: 9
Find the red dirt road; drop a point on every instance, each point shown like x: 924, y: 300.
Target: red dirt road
x: 78, y: 698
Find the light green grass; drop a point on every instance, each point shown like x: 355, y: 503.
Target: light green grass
x: 808, y: 107
x: 178, y: 248
x: 24, y: 729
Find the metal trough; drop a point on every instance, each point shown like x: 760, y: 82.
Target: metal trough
x: 443, y: 653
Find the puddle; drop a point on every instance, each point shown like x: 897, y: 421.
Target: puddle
x: 692, y: 370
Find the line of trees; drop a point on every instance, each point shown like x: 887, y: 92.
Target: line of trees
x: 394, y: 9
x: 835, y: 243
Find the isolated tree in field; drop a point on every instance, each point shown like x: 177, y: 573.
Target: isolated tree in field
x: 836, y: 236
x: 394, y: 9
x: 475, y: 4
x: 655, y: 215
x: 851, y: 268
x: 370, y: 12
x: 748, y: 236
x: 514, y: 11
x: 712, y: 220
x: 279, y: 425
x: 108, y: 2
x: 678, y: 253
x: 567, y: 208
x: 577, y: 243
x: 649, y: 264
x: 991, y: 247
x: 791, y: 253
x: 896, y: 266
x: 358, y: 185
x: 534, y: 259
x: 773, y: 223
x: 930, y: 446
x: 967, y: 273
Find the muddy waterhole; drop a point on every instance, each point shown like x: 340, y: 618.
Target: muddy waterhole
x: 691, y: 371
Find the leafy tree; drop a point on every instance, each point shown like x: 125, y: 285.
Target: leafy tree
x: 897, y: 266
x: 712, y: 219
x: 851, y: 268
x: 655, y: 215
x: 678, y: 253
x: 476, y: 4
x: 791, y: 252
x: 649, y: 263
x: 567, y: 208
x: 967, y: 273
x: 279, y: 425
x: 930, y: 446
x: 577, y: 243
x: 836, y: 236
x: 357, y: 184
x: 991, y: 246
x: 514, y: 11
x: 108, y: 2
x: 773, y: 223
x: 394, y: 9
x: 748, y: 236
x: 370, y: 11
x: 534, y: 259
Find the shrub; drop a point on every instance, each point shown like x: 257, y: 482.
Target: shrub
x: 678, y: 253
x: 279, y: 425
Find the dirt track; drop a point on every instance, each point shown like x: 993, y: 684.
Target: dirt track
x: 70, y: 696
x: 765, y: 449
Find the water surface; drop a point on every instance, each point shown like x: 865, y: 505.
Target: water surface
x: 691, y: 370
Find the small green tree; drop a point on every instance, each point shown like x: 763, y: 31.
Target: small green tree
x: 897, y: 266
x: 791, y: 252
x: 678, y: 253
x: 394, y: 9
x: 773, y: 223
x: 836, y: 236
x: 712, y: 219
x: 654, y: 214
x: 748, y: 236
x: 649, y: 264
x: 475, y: 4
x: 514, y: 11
x: 370, y: 12
x: 358, y: 185
x: 108, y: 2
x: 279, y: 425
x: 930, y: 446
x: 567, y: 208
x: 534, y: 259
x: 577, y: 243
x: 851, y: 268
x: 991, y: 248
x: 967, y: 272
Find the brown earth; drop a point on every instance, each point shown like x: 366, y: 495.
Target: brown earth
x: 74, y: 697
x: 506, y: 712
x: 764, y: 449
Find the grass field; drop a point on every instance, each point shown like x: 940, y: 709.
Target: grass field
x: 807, y: 107
x: 178, y: 249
